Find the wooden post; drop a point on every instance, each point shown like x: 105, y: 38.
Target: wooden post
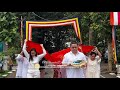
x: 21, y: 31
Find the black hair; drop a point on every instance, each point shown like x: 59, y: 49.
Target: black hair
x: 33, y: 49
x: 23, y: 54
x: 93, y: 53
x: 73, y: 42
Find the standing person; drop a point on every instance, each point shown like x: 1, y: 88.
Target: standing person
x: 33, y: 68
x: 22, y: 66
x: 93, y: 64
x: 10, y: 63
x: 42, y: 69
x: 72, y: 56
x: 1, y: 64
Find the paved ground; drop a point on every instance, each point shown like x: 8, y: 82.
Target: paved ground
x: 105, y: 73
x: 12, y: 75
x: 49, y: 72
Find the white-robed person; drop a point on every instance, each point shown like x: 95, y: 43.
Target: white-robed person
x: 33, y: 58
x: 93, y: 64
x: 69, y: 58
x: 22, y: 66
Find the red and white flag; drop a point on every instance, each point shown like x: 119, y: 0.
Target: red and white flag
x: 114, y: 18
x: 114, y: 44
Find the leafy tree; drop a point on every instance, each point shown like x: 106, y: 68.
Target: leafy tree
x: 8, y: 29
x: 95, y: 30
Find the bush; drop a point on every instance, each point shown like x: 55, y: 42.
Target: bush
x: 10, y: 52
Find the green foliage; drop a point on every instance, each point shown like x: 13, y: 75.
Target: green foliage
x: 10, y: 52
x: 4, y: 73
x: 54, y: 39
x: 8, y: 28
x: 98, y: 22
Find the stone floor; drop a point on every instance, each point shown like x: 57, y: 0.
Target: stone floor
x: 50, y: 72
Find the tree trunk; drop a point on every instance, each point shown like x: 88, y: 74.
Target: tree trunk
x: 90, y: 37
x: 110, y: 55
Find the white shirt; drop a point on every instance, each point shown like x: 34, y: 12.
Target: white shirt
x: 93, y: 68
x: 36, y: 59
x: 22, y: 67
x: 74, y: 72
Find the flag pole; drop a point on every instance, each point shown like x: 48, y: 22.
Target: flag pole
x: 114, y: 43
x: 21, y: 31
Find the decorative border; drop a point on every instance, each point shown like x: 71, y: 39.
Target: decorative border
x: 33, y: 24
